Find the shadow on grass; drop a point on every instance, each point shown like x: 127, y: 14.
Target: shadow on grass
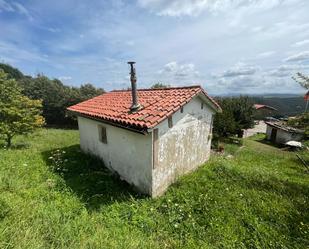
x: 263, y: 140
x: 88, y: 178
x: 15, y: 146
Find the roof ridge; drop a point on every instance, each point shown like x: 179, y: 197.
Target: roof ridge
x: 158, y: 105
x: 162, y: 88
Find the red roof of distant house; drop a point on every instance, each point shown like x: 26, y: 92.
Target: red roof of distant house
x: 259, y: 106
x: 157, y: 105
x: 306, y: 97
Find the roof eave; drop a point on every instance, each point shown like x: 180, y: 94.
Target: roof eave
x: 210, y: 103
x: 143, y: 131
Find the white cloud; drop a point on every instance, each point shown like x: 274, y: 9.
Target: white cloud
x: 180, y: 70
x: 13, y: 53
x: 53, y: 30
x: 64, y: 78
x: 287, y: 70
x: 300, y: 43
x: 4, y: 6
x: 302, y: 56
x: 195, y: 7
x: 13, y: 6
x: 241, y: 84
x: 266, y: 54
x: 240, y: 69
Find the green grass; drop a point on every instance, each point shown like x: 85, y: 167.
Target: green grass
x: 257, y: 199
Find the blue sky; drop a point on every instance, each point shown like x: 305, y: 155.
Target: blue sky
x: 227, y: 46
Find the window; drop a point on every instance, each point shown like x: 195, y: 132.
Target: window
x: 170, y: 122
x: 202, y: 105
x: 102, y: 134
x: 181, y: 109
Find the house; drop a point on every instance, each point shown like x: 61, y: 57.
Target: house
x: 281, y: 134
x: 263, y: 111
x: 152, y: 140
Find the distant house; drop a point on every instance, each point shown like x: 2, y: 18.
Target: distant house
x: 263, y: 111
x: 152, y: 140
x: 281, y: 134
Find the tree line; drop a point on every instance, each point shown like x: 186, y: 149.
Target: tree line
x: 55, y: 96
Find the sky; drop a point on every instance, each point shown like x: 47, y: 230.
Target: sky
x: 227, y: 46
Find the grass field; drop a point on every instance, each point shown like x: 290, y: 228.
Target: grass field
x: 54, y: 196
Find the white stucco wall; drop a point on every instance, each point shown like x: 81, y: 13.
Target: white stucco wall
x: 126, y: 152
x: 183, y: 147
x: 283, y: 136
x: 268, y: 131
x: 178, y: 150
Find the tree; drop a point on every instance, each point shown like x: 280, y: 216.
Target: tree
x: 55, y: 96
x: 18, y: 113
x: 303, y: 80
x: 13, y: 73
x: 159, y: 85
x: 237, y: 115
x: 88, y: 91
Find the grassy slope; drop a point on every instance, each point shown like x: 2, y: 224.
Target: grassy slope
x: 258, y: 199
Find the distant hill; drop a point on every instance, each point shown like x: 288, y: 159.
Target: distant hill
x: 286, y: 104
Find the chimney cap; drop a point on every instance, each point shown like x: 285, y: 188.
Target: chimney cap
x: 131, y: 62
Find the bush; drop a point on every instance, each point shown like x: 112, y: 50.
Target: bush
x: 300, y: 122
x: 237, y: 115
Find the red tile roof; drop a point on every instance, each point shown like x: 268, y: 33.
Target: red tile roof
x: 157, y: 105
x: 259, y: 106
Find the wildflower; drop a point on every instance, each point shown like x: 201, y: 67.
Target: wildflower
x: 50, y: 183
x: 50, y: 157
x: 63, y: 152
x: 175, y: 225
x: 240, y: 195
x: 25, y: 164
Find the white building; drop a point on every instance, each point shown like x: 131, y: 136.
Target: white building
x: 282, y: 134
x: 164, y: 134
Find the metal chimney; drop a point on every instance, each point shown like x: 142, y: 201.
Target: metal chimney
x: 135, y: 105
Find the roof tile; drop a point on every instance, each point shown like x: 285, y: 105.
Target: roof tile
x: 157, y: 104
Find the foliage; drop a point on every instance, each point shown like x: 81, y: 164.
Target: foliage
x: 302, y: 79
x: 300, y: 122
x: 72, y: 201
x: 12, y: 73
x: 159, y: 85
x: 18, y: 113
x: 88, y: 91
x: 237, y: 115
x: 55, y: 95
